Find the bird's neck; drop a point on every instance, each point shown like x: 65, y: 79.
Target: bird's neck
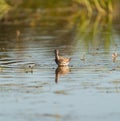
x: 56, y: 56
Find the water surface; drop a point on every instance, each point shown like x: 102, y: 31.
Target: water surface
x: 87, y: 90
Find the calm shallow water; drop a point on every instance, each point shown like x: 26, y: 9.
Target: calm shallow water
x: 87, y: 90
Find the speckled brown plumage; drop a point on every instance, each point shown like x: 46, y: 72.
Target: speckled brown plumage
x: 61, y: 61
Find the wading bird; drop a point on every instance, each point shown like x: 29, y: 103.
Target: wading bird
x: 61, y: 61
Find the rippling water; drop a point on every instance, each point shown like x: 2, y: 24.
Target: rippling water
x: 87, y: 90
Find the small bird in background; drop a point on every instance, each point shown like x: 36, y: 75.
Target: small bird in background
x: 114, y: 56
x: 83, y: 58
x: 61, y: 61
x: 29, y: 67
x: 18, y: 33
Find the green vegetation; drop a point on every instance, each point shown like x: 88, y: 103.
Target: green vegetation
x: 88, y: 18
x: 34, y: 4
x: 91, y: 6
x: 87, y: 7
x: 100, y: 6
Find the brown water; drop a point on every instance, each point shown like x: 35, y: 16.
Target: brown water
x: 87, y: 90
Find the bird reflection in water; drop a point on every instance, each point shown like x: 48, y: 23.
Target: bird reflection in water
x: 61, y: 71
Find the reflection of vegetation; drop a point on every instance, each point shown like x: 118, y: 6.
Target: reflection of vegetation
x: 4, y: 7
x: 95, y: 30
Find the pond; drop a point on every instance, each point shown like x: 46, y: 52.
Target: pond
x: 33, y: 88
